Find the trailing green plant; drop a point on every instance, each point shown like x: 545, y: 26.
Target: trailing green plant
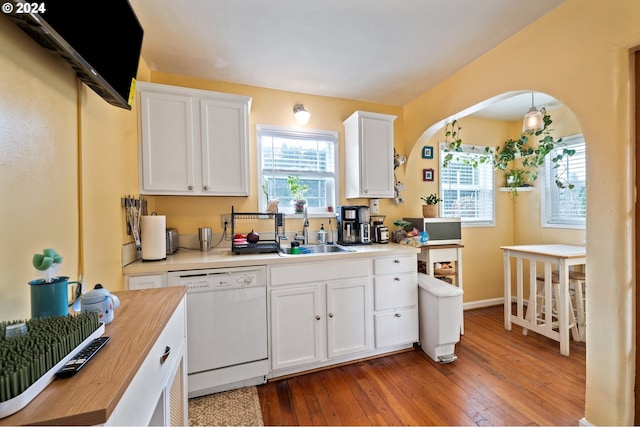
x: 431, y: 199
x: 532, y: 157
x: 296, y: 189
x: 453, y: 142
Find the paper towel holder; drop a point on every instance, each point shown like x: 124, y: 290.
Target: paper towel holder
x: 153, y: 237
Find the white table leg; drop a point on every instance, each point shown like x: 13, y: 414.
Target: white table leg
x: 507, y: 290
x: 563, y: 308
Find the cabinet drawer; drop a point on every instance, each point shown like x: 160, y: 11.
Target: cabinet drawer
x: 138, y: 402
x: 397, y: 327
x: 397, y: 264
x: 318, y: 272
x: 443, y: 255
x: 398, y: 290
x: 146, y: 282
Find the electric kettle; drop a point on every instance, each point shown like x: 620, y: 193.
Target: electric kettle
x: 99, y: 300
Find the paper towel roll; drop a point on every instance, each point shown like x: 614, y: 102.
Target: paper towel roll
x: 153, y: 237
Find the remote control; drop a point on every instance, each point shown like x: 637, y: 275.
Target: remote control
x: 82, y: 357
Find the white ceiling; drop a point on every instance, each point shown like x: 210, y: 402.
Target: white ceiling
x: 383, y: 51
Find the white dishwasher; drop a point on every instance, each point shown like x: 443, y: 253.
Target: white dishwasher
x: 226, y: 327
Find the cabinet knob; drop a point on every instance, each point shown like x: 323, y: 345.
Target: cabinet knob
x: 317, y: 317
x: 165, y: 355
x: 397, y: 279
x: 190, y: 187
x: 330, y: 314
x: 397, y: 261
x: 398, y: 315
x: 366, y: 190
x: 206, y: 188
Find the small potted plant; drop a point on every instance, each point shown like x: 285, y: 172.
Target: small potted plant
x: 50, y: 294
x: 297, y: 191
x: 430, y: 208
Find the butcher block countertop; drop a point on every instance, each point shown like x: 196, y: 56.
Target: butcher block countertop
x: 189, y: 259
x: 90, y: 396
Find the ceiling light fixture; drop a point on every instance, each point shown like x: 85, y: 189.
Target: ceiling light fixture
x: 532, y: 120
x: 302, y: 115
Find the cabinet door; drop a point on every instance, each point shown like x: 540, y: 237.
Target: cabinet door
x: 376, y: 165
x: 225, y: 169
x: 396, y: 327
x: 167, y: 147
x: 348, y: 317
x: 297, y: 316
x: 369, y: 155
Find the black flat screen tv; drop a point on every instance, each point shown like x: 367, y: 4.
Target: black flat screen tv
x: 100, y: 39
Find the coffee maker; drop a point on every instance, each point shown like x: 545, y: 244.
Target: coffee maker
x: 379, y: 231
x: 353, y: 225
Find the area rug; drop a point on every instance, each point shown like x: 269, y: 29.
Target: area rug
x: 239, y: 407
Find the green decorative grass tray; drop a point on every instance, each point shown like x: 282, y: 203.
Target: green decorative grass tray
x: 28, y: 363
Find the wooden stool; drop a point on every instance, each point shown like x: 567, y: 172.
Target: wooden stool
x: 577, y: 280
x: 539, y: 296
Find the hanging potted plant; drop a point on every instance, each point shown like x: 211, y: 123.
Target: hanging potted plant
x: 297, y: 191
x: 530, y: 157
x: 430, y: 207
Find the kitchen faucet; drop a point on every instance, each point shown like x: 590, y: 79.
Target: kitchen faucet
x: 304, y: 238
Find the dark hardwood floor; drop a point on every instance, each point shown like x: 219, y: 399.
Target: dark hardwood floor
x: 500, y: 378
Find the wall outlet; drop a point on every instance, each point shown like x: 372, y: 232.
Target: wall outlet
x: 225, y: 218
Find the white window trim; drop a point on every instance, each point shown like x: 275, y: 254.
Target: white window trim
x: 576, y: 225
x: 298, y: 132
x: 467, y: 148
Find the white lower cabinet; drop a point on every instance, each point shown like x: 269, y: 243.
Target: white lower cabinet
x: 296, y: 326
x: 395, y: 288
x: 157, y: 395
x: 348, y: 314
x: 314, y: 321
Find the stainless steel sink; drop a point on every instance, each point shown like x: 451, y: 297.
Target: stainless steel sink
x: 317, y: 249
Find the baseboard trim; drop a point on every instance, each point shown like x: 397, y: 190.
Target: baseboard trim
x: 482, y: 303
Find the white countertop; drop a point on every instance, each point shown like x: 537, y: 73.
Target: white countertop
x: 188, y: 259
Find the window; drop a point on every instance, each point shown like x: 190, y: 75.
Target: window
x: 467, y: 192
x: 564, y: 207
x: 310, y: 155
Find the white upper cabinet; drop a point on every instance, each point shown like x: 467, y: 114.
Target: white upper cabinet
x: 369, y: 155
x: 193, y: 142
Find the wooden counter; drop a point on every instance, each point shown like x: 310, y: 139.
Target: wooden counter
x: 90, y: 396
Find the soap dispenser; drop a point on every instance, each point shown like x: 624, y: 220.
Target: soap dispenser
x: 322, y: 236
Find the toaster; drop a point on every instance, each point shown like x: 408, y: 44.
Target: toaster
x: 172, y: 240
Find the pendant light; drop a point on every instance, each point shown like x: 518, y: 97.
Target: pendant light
x: 532, y: 120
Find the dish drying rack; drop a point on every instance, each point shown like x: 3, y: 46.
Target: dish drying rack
x: 262, y: 246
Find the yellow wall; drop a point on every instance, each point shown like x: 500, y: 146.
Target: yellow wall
x: 583, y: 53
x: 38, y: 165
x: 583, y: 46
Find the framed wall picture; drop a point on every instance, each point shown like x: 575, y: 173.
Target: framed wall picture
x: 427, y: 152
x: 428, y: 174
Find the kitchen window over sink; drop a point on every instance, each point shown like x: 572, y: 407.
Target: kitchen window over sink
x: 310, y: 155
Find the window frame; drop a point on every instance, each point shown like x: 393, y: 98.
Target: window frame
x: 480, y: 151
x: 548, y: 173
x: 302, y: 134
